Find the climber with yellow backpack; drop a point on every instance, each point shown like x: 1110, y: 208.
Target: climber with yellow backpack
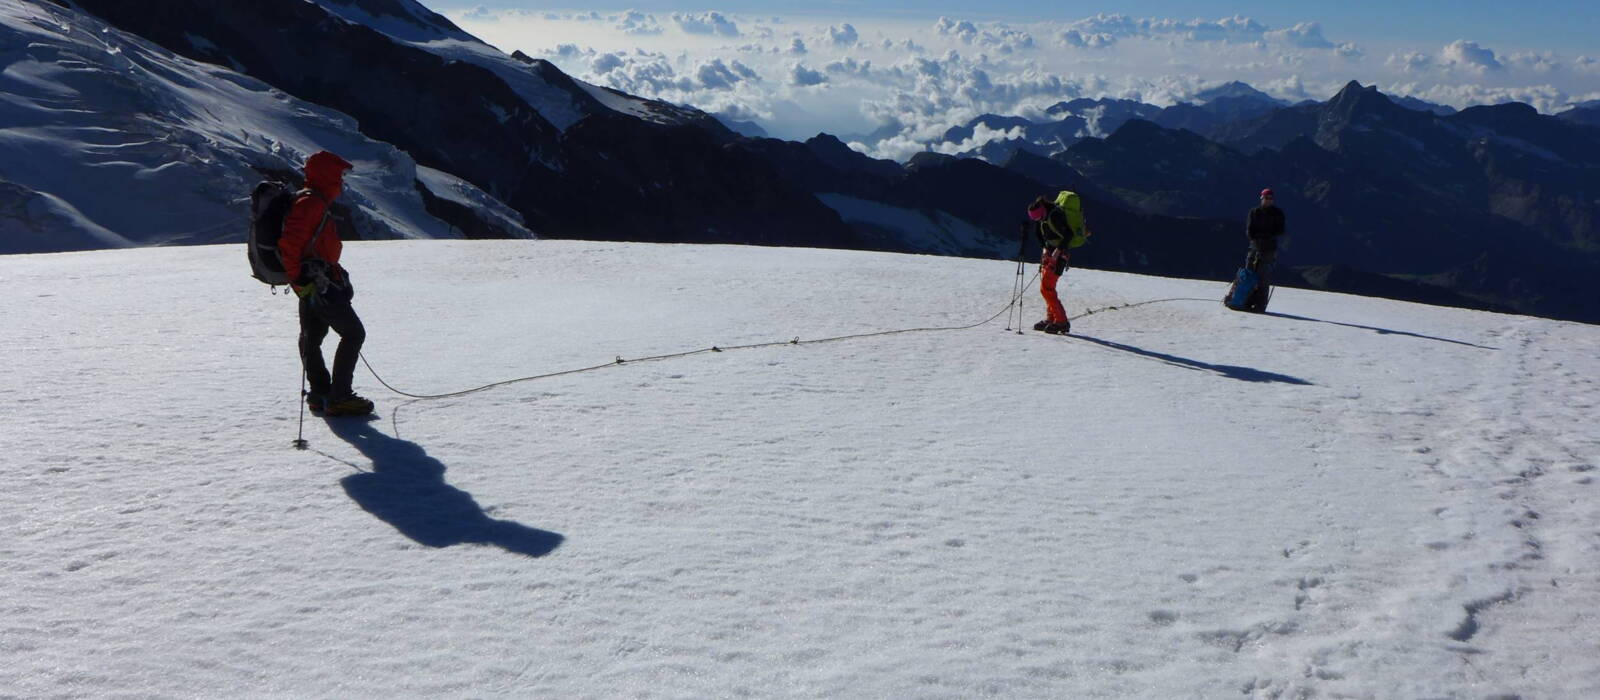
x: 1060, y: 228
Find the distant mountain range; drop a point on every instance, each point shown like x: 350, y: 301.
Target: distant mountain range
x: 1497, y: 204
x: 1492, y: 207
x: 1210, y: 113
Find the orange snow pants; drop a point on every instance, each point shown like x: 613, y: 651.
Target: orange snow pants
x: 1050, y: 272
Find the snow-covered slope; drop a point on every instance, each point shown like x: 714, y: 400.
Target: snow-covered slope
x: 107, y: 140
x: 557, y: 97
x: 406, y: 20
x: 1349, y: 497
x: 936, y: 231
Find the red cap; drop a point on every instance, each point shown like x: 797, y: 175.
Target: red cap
x: 1266, y: 192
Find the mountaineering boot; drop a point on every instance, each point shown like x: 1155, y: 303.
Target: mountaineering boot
x: 352, y: 405
x: 1059, y: 328
x: 1041, y: 325
x: 316, y: 402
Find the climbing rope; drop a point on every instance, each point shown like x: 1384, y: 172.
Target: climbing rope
x: 1016, y: 297
x: 1015, y: 301
x: 1119, y: 307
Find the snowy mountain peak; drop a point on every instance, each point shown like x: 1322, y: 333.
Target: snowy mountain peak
x: 1235, y: 89
x: 406, y: 20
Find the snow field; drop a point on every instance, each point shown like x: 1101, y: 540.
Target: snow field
x: 1350, y: 497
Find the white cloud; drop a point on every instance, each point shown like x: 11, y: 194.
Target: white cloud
x: 571, y: 51
x: 995, y: 37
x: 1306, y: 35
x: 717, y: 75
x: 797, y: 47
x: 982, y: 135
x: 1536, y: 62
x: 1087, y: 40
x: 903, y: 46
x: 1105, y: 30
x: 843, y: 35
x: 713, y: 23
x: 805, y: 77
x: 850, y: 66
x: 637, y: 23
x: 1469, y: 55
x: 605, y: 63
x: 962, y: 29
x: 1410, y: 62
x: 1238, y: 29
x: 1292, y: 88
x: 1546, y: 98
x: 639, y: 73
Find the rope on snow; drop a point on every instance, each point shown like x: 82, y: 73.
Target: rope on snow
x: 1015, y: 299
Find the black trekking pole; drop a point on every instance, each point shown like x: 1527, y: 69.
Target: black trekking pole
x: 300, y: 439
x: 1021, y: 285
x: 1021, y: 290
x: 1016, y: 297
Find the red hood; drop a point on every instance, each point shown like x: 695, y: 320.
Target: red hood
x: 325, y: 173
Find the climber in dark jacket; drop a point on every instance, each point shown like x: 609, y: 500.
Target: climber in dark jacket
x: 1264, y: 226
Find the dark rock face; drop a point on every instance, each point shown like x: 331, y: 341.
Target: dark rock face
x: 460, y: 216
x: 1586, y: 116
x: 1423, y: 106
x: 677, y: 184
x: 1188, y: 117
x: 995, y: 199
x: 1166, y: 171
x: 1052, y: 173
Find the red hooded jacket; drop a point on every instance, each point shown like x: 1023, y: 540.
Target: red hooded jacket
x: 325, y: 179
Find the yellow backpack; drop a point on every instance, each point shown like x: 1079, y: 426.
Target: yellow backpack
x: 1072, y: 205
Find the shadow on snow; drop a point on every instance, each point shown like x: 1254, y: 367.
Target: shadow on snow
x: 1245, y: 374
x: 406, y: 489
x: 1381, y: 331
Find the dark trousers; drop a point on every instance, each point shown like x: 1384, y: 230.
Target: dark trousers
x: 1261, y: 259
x: 318, y: 314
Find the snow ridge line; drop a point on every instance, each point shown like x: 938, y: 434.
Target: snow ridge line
x: 1017, y: 297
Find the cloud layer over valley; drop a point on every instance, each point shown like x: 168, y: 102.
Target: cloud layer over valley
x: 892, y: 86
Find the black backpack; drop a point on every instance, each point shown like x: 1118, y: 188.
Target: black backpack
x: 269, y: 204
